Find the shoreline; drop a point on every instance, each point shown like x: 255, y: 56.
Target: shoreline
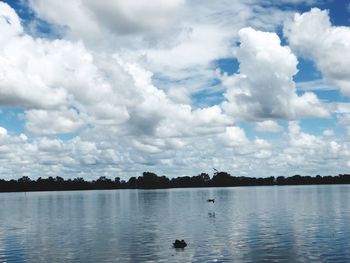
x: 168, y: 188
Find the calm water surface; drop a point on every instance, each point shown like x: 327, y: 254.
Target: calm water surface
x: 245, y: 224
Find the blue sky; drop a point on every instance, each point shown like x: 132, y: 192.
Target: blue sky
x: 175, y: 87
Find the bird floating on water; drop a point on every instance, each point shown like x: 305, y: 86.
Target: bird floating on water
x: 211, y: 200
x: 179, y: 244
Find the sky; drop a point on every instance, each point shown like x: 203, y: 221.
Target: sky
x: 177, y: 87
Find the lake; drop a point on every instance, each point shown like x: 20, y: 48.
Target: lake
x: 245, y: 224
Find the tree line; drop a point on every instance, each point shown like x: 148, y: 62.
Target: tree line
x: 150, y: 180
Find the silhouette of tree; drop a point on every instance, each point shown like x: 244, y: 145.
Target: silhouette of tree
x: 150, y: 180
x: 280, y: 180
x: 132, y: 183
x: 223, y: 179
x: 24, y: 180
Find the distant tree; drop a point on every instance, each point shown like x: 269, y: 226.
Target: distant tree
x: 280, y: 180
x: 102, y: 179
x: 50, y: 179
x: 150, y: 180
x: 205, y: 177
x: 24, y: 180
x: 222, y: 179
x: 59, y: 179
x: 104, y: 183
x: 79, y: 180
x: 132, y: 183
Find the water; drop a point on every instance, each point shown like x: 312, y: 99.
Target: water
x: 245, y: 224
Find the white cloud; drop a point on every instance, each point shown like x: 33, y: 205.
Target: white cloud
x: 101, y: 80
x: 178, y: 40
x: 302, y: 153
x: 101, y: 90
x: 312, y: 35
x: 328, y: 132
x: 49, y: 145
x: 344, y: 119
x: 316, y: 85
x: 268, y: 126
x: 122, y: 17
x: 201, y: 44
x: 3, y: 132
x: 264, y: 87
x: 302, y: 140
x: 155, y: 114
x: 10, y: 25
x: 261, y: 143
x: 263, y: 154
x: 335, y: 147
x: 234, y: 137
x: 146, y: 147
x: 23, y: 137
x: 52, y: 122
x: 179, y: 95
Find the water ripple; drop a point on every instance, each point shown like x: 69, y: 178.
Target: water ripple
x: 252, y: 224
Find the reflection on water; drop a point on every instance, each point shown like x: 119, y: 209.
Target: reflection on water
x: 245, y: 224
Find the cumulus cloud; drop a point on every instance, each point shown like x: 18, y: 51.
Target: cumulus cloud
x: 82, y: 156
x: 343, y: 119
x: 179, y: 95
x: 263, y: 154
x: 52, y: 122
x: 39, y: 73
x: 302, y: 140
x: 200, y: 45
x: 328, y: 132
x: 268, y: 126
x: 234, y: 136
x: 3, y: 132
x: 64, y: 86
x: 178, y: 40
x: 310, y: 154
x: 312, y: 35
x: 131, y: 16
x: 264, y: 87
x: 125, y: 16
x: 261, y: 143
x: 101, y: 81
x: 9, y: 22
x: 15, y: 59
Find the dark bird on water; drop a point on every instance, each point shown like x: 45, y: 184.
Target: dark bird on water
x: 211, y: 200
x: 179, y: 244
